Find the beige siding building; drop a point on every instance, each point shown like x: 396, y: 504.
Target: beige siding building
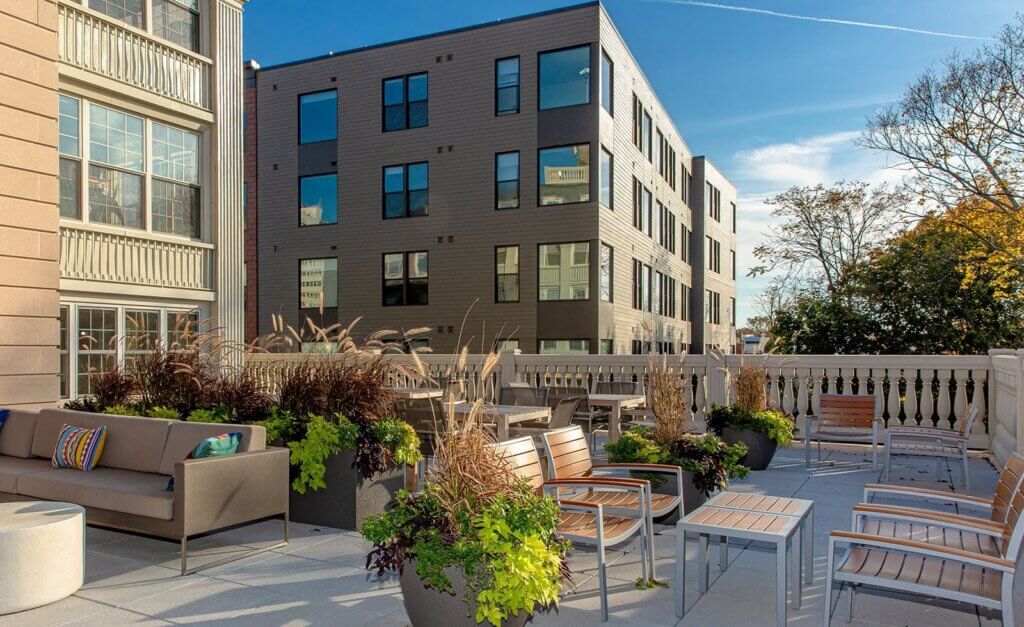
x: 521, y: 175
x: 121, y: 183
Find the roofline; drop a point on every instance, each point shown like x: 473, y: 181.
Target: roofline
x: 461, y: 29
x: 708, y: 160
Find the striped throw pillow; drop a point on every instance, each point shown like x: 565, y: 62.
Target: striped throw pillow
x: 78, y: 447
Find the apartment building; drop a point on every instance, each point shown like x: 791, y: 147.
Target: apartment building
x: 512, y: 184
x: 120, y: 184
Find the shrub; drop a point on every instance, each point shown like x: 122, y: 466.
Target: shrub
x: 111, y: 388
x: 774, y: 423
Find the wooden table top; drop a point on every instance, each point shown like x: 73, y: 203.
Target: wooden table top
x: 417, y: 393
x: 727, y: 519
x: 761, y: 503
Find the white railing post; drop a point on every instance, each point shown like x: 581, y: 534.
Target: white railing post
x: 507, y: 368
x: 718, y: 379
x: 1006, y: 402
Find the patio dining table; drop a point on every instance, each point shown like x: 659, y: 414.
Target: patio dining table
x: 616, y: 403
x: 505, y: 415
x: 410, y: 394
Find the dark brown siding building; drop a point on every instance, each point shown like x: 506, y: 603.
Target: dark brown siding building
x: 513, y: 184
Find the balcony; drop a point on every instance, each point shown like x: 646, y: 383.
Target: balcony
x: 93, y: 42
x: 115, y: 256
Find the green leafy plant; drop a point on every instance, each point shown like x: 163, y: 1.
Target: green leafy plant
x: 399, y: 438
x: 310, y: 454
x: 121, y: 410
x: 213, y: 414
x: 774, y: 423
x: 135, y: 410
x: 712, y: 461
x: 163, y: 412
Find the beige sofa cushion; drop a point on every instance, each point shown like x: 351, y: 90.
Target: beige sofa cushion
x: 139, y: 493
x: 16, y: 434
x: 132, y: 443
x: 186, y: 436
x: 11, y: 468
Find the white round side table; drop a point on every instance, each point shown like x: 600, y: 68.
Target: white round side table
x: 42, y: 550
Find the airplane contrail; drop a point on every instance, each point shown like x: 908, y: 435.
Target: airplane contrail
x: 825, y: 20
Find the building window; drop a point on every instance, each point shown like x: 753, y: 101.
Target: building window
x: 732, y: 311
x: 177, y: 21
x: 70, y: 186
x: 712, y: 307
x: 406, y: 190
x: 686, y: 303
x: 732, y: 206
x: 68, y: 131
x: 128, y: 11
x: 645, y: 136
x: 563, y: 347
x: 607, y: 347
x: 686, y: 186
x: 182, y: 328
x: 176, y: 193
x: 506, y: 344
x: 506, y: 274
x: 65, y: 354
x: 713, y: 257
x: 141, y: 334
x: 684, y: 244
x: 318, y: 117
x: 642, y: 210
x: 714, y: 202
x: 506, y: 86
x: 606, y: 179
x: 565, y: 77
x: 318, y: 283
x: 405, y: 102
x: 607, y: 84
x: 564, y: 175
x: 607, y: 272
x: 641, y: 286
x: 115, y: 197
x: 405, y: 278
x: 732, y: 263
x: 659, y: 151
x: 318, y: 200
x: 97, y: 349
x: 506, y: 180
x: 564, y: 271
x: 115, y: 138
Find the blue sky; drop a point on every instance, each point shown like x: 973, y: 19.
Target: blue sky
x: 774, y: 101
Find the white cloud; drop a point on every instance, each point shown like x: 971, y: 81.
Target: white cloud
x: 803, y: 162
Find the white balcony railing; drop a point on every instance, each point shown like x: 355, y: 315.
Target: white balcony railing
x: 96, y: 43
x: 94, y: 255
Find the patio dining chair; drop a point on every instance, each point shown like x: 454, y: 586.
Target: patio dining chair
x: 583, y: 523
x: 594, y: 418
x: 932, y: 567
x: 616, y: 387
x: 519, y: 395
x: 569, y: 458
x: 934, y: 442
x: 561, y: 417
x: 843, y: 418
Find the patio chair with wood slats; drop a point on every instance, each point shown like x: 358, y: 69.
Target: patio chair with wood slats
x: 582, y: 523
x: 946, y: 563
x: 930, y: 441
x: 569, y: 459
x: 843, y: 418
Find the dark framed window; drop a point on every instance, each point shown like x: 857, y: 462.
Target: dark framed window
x: 506, y: 180
x: 563, y: 271
x: 405, y: 279
x: 607, y: 273
x: 645, y: 136
x: 607, y: 180
x: 607, y: 83
x: 506, y: 86
x: 177, y: 21
x: 732, y: 206
x: 318, y: 199
x: 318, y: 283
x: 641, y: 286
x: 607, y: 347
x: 732, y: 263
x: 406, y: 190
x: 405, y: 102
x: 564, y: 77
x: 506, y: 274
x: 563, y: 347
x: 318, y: 116
x: 563, y: 175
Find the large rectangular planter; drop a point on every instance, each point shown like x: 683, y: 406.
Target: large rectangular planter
x: 348, y: 498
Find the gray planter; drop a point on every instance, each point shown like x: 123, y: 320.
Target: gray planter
x: 348, y: 498
x: 760, y: 448
x: 692, y: 497
x: 429, y: 607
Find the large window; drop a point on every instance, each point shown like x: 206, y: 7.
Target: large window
x: 141, y: 334
x: 405, y: 278
x: 563, y: 347
x: 405, y: 102
x: 128, y: 11
x: 506, y: 180
x: 712, y: 307
x: 607, y: 76
x: 177, y: 21
x: 318, y: 200
x: 607, y: 272
x: 97, y: 349
x: 506, y: 86
x: 685, y: 239
x: 645, y: 136
x: 714, y: 202
x: 176, y: 191
x: 506, y: 274
x: 318, y: 117
x: 406, y: 190
x: 565, y: 78
x: 713, y: 255
x: 115, y: 197
x: 70, y: 188
x: 318, y: 283
x: 606, y: 180
x: 641, y: 286
x: 564, y: 175
x: 564, y: 271
x: 643, y: 212
x: 65, y: 352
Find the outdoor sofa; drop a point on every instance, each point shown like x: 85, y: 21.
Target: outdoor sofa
x: 128, y: 489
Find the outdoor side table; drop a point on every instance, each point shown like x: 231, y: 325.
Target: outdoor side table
x: 780, y: 521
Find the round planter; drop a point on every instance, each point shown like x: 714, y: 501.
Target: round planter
x: 692, y: 497
x: 429, y: 607
x: 760, y: 448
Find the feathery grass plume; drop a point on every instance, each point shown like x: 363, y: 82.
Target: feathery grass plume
x: 667, y: 390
